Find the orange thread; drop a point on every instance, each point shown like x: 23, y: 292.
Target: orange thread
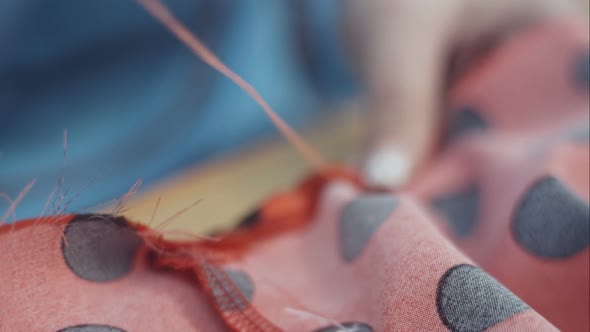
x: 15, y: 202
x: 162, y: 14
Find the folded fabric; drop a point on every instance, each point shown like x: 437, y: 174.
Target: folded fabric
x: 492, y: 235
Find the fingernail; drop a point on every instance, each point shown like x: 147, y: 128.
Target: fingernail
x: 387, y: 167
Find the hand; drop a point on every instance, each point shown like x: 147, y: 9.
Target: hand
x: 402, y: 48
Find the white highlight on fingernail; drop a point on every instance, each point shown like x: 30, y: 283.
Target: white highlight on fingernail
x: 387, y: 167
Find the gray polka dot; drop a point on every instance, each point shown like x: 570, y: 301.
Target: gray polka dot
x: 468, y: 299
x: 100, y: 248
x: 551, y: 221
x: 224, y: 283
x: 466, y: 120
x: 91, y: 328
x: 582, y: 70
x: 360, y: 220
x: 349, y: 327
x: 242, y: 281
x: 460, y: 209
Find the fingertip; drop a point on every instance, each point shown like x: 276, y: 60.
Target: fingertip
x: 387, y: 167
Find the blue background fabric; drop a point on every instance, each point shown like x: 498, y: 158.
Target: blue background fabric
x: 138, y: 104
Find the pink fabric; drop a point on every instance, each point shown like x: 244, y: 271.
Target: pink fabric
x: 493, y: 234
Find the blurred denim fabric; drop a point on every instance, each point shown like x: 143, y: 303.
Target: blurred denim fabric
x: 135, y: 102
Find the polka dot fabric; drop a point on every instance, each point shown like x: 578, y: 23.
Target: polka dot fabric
x: 492, y: 235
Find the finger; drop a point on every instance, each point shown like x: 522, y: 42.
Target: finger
x: 403, y: 45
